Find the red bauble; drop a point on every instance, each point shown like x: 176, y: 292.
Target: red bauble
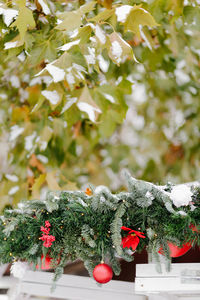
x: 176, y: 251
x: 102, y: 273
x: 45, y: 264
x: 194, y: 228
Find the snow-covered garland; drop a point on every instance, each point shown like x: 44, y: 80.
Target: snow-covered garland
x: 97, y: 225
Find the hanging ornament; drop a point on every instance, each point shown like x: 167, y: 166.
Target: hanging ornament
x: 88, y: 192
x: 45, y: 263
x: 176, y: 251
x: 102, y: 273
x: 132, y: 239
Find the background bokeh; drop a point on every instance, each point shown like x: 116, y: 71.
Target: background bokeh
x: 153, y: 128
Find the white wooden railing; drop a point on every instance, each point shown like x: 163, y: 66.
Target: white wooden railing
x: 182, y: 283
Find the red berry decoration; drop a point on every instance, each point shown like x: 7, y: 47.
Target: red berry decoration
x: 176, y: 251
x: 102, y: 273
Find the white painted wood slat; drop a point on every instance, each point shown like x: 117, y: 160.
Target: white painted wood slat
x: 182, y: 279
x: 72, y: 287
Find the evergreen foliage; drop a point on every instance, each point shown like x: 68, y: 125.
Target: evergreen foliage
x: 84, y: 230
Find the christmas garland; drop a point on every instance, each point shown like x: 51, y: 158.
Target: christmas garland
x: 97, y: 226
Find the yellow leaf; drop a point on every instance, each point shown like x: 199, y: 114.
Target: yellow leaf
x: 86, y: 8
x: 20, y: 113
x: 70, y: 186
x: 139, y: 16
x: 71, y: 21
x: 103, y: 15
x: 52, y: 182
x: 45, y: 137
x: 36, y: 186
x: 24, y: 20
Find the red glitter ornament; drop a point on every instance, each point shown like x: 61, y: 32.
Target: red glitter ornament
x: 46, y: 264
x: 176, y: 251
x: 102, y: 273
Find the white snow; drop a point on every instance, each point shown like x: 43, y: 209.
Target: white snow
x: 181, y: 64
x: 145, y: 11
x: 21, y: 56
x: 70, y: 78
x: 109, y: 97
x: 139, y: 93
x: 29, y: 141
x: 182, y: 213
x: 91, y: 57
x: 149, y: 195
x: 145, y: 38
x: 15, y: 131
x: 3, y: 96
x: 46, y: 79
x: 122, y: 12
x: 8, y: 15
x: 181, y: 195
x: 67, y: 46
x: 57, y: 73
x: 78, y: 67
x: 19, y: 268
x: 43, y: 158
x: 103, y: 64
x: 72, y: 34
x: 68, y: 104
x: 42, y: 145
x: 45, y: 7
x: 52, y: 96
x: 89, y: 109
x: 14, y: 80
x: 12, y: 177
x: 189, y: 32
x: 116, y: 50
x: 101, y: 188
x: 100, y: 34
x: 35, y: 81
x: 181, y: 77
x: 13, y: 190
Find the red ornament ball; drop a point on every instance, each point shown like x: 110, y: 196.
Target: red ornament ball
x: 45, y: 264
x: 176, y: 251
x: 102, y: 273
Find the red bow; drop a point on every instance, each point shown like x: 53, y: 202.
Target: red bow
x: 132, y: 239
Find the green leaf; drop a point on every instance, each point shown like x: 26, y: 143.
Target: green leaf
x: 38, y: 104
x: 139, y: 16
x: 107, y: 125
x: 125, y: 86
x: 71, y: 20
x: 45, y: 137
x: 84, y: 34
x: 119, y: 49
x: 88, y: 7
x: 72, y: 148
x: 86, y: 104
x: 24, y: 21
x: 44, y: 50
x: 103, y: 15
x: 192, y: 15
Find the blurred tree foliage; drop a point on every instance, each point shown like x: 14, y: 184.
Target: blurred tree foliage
x: 70, y: 70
